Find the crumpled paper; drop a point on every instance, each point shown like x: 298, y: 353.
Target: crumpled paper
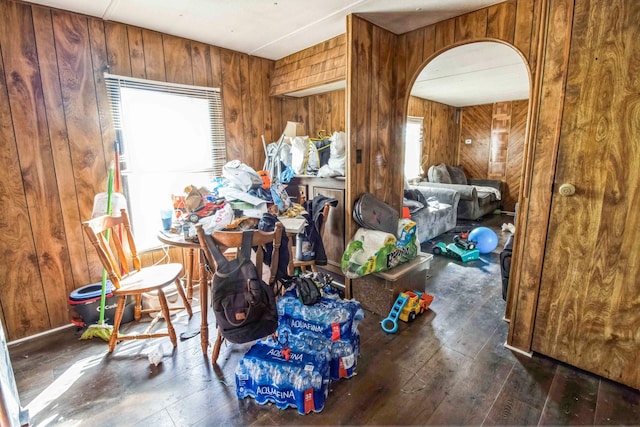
x: 155, y: 355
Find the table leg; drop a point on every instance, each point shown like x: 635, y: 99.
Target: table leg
x: 190, y: 261
x: 204, y: 305
x: 290, y: 269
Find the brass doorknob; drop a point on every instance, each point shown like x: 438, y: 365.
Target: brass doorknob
x: 567, y: 190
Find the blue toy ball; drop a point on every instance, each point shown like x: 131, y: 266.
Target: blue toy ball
x: 486, y: 239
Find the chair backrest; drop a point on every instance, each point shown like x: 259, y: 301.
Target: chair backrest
x: 112, y: 238
x: 233, y: 240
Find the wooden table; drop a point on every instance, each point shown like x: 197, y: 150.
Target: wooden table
x: 178, y: 241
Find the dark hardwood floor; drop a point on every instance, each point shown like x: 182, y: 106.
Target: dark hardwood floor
x: 448, y: 367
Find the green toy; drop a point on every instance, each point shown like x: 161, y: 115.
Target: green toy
x: 460, y: 250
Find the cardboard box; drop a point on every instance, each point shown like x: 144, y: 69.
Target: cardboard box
x: 378, y: 291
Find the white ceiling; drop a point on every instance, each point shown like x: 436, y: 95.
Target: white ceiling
x: 267, y: 28
x: 474, y: 74
x: 274, y: 29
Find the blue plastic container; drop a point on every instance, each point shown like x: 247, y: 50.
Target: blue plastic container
x: 90, y: 291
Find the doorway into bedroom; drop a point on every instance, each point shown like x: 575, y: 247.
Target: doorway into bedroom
x: 473, y: 99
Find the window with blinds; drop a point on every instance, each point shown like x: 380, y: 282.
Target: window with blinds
x: 413, y: 148
x: 170, y: 136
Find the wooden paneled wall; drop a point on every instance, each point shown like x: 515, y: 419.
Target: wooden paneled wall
x: 56, y: 138
x: 500, y: 129
x: 478, y: 123
x: 375, y: 146
x: 375, y: 154
x: 315, y: 66
x: 318, y: 112
x: 476, y: 126
x: 439, y: 131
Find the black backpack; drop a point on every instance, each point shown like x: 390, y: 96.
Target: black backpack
x: 244, y: 305
x: 307, y: 291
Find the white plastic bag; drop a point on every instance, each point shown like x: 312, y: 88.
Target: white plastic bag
x: 336, y: 164
x: 338, y: 146
x: 241, y: 176
x: 300, y: 154
x: 326, y: 171
x: 313, y: 164
x: 218, y: 220
x: 284, y: 155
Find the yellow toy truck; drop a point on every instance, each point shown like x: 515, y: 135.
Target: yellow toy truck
x: 406, y: 308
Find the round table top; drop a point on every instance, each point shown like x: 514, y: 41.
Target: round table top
x: 173, y: 239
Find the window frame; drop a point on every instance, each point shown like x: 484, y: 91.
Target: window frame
x: 216, y: 133
x: 414, y: 120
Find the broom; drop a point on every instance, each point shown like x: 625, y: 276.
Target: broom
x: 101, y: 329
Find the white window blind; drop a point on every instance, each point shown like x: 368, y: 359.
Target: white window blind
x: 413, y: 147
x: 170, y: 136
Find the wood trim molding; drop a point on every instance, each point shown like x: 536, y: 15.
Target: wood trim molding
x: 323, y: 63
x: 532, y: 222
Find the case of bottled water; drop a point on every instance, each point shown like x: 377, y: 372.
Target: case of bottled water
x: 313, y: 345
x: 344, y: 358
x: 342, y: 354
x: 333, y: 318
x: 330, y: 325
x: 296, y: 379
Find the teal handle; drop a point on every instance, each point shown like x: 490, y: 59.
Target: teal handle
x: 394, y: 325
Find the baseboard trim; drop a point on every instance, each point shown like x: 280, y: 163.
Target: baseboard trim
x: 40, y: 334
x: 517, y: 350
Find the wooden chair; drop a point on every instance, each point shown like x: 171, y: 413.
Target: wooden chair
x: 232, y: 240
x: 311, y: 264
x: 118, y: 255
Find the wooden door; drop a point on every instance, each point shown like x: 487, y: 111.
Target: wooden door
x: 588, y: 311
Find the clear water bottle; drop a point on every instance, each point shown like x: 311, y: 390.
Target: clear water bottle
x: 302, y: 381
x: 316, y: 380
x: 304, y: 248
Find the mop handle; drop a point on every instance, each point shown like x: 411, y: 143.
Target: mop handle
x: 103, y: 294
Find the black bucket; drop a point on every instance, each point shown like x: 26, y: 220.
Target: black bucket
x: 85, y: 305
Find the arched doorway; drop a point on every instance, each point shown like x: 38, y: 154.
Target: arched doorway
x: 473, y: 99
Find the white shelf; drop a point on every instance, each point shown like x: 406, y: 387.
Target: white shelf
x: 402, y: 269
